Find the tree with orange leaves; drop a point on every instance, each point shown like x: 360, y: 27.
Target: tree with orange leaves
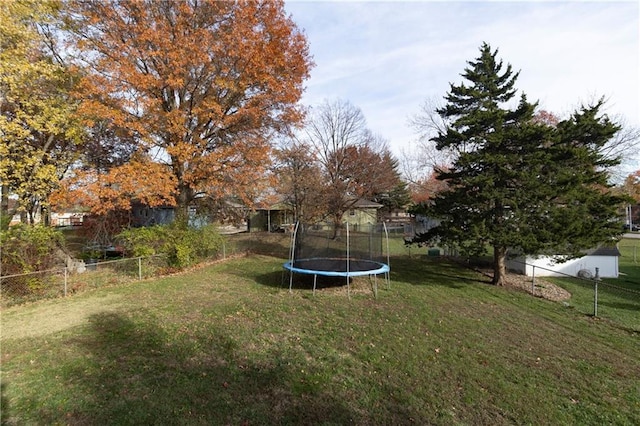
x: 427, y: 188
x: 203, y: 84
x: 101, y: 192
x: 631, y: 186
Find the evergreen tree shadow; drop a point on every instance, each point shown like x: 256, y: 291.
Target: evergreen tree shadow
x: 434, y: 271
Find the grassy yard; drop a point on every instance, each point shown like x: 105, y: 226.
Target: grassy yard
x: 618, y: 299
x: 227, y: 344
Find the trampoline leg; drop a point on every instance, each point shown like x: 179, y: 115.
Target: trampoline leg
x: 315, y: 279
x: 348, y: 288
x: 290, y: 281
x: 375, y: 286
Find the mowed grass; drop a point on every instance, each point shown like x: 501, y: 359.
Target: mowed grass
x: 618, y: 299
x: 228, y: 344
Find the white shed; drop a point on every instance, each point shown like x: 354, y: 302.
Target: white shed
x: 604, y: 258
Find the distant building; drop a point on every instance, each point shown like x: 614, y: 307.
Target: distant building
x: 604, y: 258
x: 143, y: 215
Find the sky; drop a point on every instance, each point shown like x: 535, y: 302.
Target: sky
x: 389, y: 57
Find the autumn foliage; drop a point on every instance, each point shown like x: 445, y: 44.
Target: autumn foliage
x: 631, y: 186
x: 138, y: 180
x: 203, y: 85
x: 427, y: 188
x: 41, y: 134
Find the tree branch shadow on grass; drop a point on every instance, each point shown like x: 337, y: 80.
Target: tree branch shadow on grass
x: 5, y: 413
x: 138, y: 374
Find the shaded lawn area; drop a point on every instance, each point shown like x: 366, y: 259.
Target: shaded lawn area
x: 227, y: 344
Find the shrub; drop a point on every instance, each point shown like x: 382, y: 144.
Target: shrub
x: 183, y: 246
x: 26, y: 249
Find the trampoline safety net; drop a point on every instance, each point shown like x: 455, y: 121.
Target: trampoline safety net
x: 364, y: 242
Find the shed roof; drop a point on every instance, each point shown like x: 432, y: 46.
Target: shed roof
x: 604, y: 251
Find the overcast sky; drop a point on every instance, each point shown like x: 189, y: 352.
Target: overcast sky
x: 388, y: 57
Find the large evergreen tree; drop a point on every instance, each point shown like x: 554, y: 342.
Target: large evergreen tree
x: 518, y: 183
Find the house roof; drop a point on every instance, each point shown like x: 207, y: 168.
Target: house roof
x: 280, y: 204
x: 361, y: 203
x: 603, y: 250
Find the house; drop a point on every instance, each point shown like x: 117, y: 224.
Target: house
x: 64, y: 219
x: 279, y: 216
x: 271, y: 217
x: 70, y: 217
x: 143, y: 215
x: 605, y: 258
x: 395, y: 215
x: 362, y: 213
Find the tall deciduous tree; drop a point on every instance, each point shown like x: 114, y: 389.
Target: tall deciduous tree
x: 300, y: 181
x: 631, y: 186
x: 518, y: 182
x: 355, y: 163
x: 425, y: 189
x: 204, y: 84
x: 39, y: 127
x: 334, y: 128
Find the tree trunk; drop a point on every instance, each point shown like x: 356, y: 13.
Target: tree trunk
x: 183, y: 199
x: 337, y: 225
x: 5, y: 215
x: 499, y: 265
x: 45, y: 215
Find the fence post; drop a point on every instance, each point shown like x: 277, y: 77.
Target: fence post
x: 66, y: 274
x: 595, y: 292
x: 533, y: 278
x: 140, y: 268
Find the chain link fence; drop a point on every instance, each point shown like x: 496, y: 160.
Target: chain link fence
x: 60, y: 282
x: 602, y: 298
x: 615, y: 299
x: 52, y: 283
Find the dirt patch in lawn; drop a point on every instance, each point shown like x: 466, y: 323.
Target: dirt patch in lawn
x: 539, y: 288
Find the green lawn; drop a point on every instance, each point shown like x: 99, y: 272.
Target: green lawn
x: 618, y: 299
x: 227, y: 344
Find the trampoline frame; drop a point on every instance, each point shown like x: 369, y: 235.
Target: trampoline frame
x: 382, y: 268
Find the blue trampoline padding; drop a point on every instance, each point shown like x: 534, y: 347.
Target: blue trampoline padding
x: 337, y: 267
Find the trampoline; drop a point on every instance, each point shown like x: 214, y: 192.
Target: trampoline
x: 319, y: 251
